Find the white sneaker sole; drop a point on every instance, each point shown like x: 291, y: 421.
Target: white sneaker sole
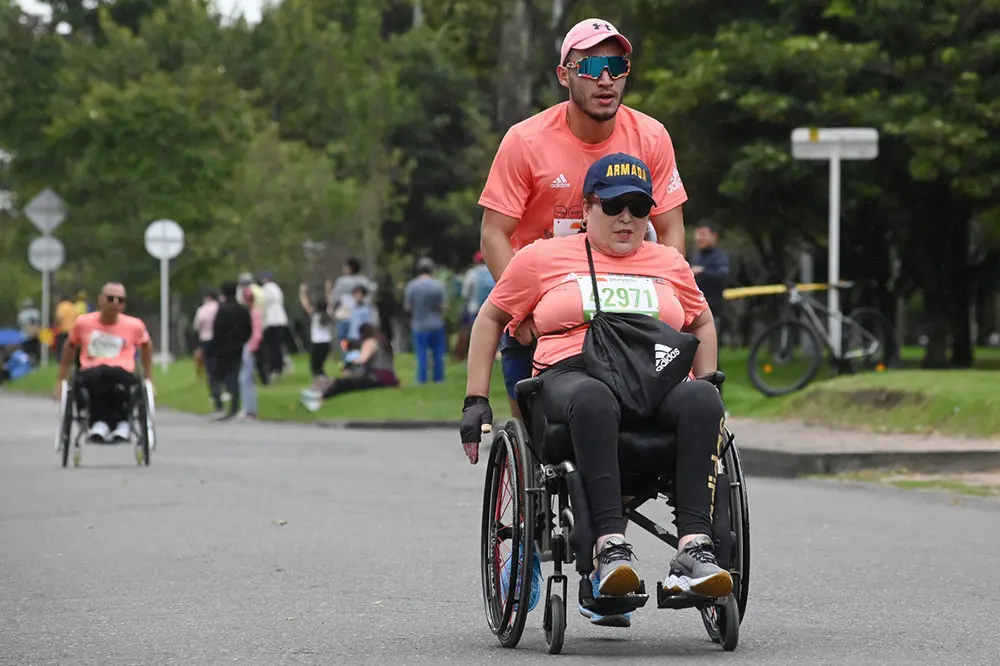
x: 717, y: 585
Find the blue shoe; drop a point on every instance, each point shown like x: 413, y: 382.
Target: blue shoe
x: 536, y: 581
x: 622, y: 621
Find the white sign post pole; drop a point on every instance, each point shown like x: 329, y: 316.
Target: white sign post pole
x: 833, y: 257
x: 164, y: 240
x: 834, y: 144
x: 46, y: 211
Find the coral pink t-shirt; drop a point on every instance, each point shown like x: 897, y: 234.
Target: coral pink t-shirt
x: 538, y: 172
x: 550, y: 279
x: 113, y: 345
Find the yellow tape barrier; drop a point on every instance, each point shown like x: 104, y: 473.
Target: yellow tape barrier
x: 771, y: 289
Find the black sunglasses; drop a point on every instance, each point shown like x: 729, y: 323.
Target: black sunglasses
x: 639, y: 207
x: 115, y: 299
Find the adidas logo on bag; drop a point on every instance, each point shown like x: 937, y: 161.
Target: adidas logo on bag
x: 663, y: 355
x: 559, y: 182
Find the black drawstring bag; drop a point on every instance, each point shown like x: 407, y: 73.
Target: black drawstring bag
x: 639, y: 357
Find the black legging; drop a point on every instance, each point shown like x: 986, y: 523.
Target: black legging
x: 692, y: 409
x: 317, y: 358
x: 106, y: 405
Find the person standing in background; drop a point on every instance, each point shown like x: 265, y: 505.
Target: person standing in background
x: 29, y: 320
x: 245, y: 282
x: 711, y: 271
x: 341, y: 297
x: 476, y: 288
x: 231, y: 330
x: 204, y: 320
x: 65, y: 318
x: 320, y: 333
x: 248, y: 392
x: 425, y: 298
x: 275, y: 323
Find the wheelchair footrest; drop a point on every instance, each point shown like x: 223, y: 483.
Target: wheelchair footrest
x: 611, y: 605
x: 677, y: 601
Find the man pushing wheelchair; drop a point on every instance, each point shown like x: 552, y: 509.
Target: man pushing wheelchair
x: 107, y: 341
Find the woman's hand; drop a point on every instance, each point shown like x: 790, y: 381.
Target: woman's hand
x: 477, y: 419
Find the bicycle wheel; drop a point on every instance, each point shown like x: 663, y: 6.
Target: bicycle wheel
x: 879, y: 327
x: 784, y: 358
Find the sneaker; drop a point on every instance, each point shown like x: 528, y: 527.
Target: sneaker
x: 122, y: 432
x: 694, y: 571
x: 536, y: 581
x: 623, y: 621
x: 312, y: 400
x: 99, y: 433
x: 614, y: 569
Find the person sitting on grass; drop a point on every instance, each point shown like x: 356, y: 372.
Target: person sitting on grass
x: 373, y: 367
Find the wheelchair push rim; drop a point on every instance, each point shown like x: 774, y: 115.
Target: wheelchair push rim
x: 506, y: 550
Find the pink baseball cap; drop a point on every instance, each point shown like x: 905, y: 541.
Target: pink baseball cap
x: 591, y: 32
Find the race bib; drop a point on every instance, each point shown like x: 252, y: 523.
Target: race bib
x: 104, y: 345
x: 619, y: 293
x: 566, y: 226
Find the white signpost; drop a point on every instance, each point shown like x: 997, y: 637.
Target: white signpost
x: 46, y: 211
x: 164, y: 240
x: 834, y: 144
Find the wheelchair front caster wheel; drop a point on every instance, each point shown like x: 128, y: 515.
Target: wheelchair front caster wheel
x: 729, y: 623
x: 555, y: 623
x: 76, y: 457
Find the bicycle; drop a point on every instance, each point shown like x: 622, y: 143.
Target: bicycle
x: 794, y: 346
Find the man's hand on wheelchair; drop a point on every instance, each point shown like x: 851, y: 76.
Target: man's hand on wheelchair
x: 477, y: 419
x: 526, y: 333
x: 57, y: 391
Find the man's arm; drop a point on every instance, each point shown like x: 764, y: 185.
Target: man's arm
x: 495, y: 234
x: 670, y: 229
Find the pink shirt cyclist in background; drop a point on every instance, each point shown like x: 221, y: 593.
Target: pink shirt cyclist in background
x: 551, y: 279
x: 535, y: 186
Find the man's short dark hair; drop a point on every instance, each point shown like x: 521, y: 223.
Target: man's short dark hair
x: 353, y: 265
x: 709, y: 224
x: 229, y: 289
x: 363, y: 289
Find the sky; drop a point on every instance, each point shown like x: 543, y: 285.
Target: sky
x: 250, y: 8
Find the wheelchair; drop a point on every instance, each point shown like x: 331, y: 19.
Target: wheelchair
x: 74, y: 410
x: 549, y: 515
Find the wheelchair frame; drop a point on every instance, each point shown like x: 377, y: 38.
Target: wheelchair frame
x: 141, y: 410
x: 545, y: 494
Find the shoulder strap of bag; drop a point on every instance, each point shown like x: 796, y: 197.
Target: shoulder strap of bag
x: 593, y: 277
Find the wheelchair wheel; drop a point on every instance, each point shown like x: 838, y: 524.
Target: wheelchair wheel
x: 555, y: 624
x: 714, y: 617
x: 740, y: 511
x: 144, y: 421
x: 64, y: 435
x: 507, y: 549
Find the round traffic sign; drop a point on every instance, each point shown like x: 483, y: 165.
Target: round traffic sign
x: 46, y: 253
x: 164, y: 239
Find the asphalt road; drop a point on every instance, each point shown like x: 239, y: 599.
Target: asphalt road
x: 268, y: 544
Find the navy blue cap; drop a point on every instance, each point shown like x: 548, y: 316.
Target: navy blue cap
x: 618, y: 174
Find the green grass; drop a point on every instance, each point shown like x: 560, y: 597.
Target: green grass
x: 178, y: 388
x: 953, y: 402
x: 962, y: 402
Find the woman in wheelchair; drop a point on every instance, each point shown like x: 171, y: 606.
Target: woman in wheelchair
x: 551, y: 281
x: 108, y: 340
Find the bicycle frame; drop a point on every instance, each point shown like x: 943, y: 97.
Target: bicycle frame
x: 809, y: 306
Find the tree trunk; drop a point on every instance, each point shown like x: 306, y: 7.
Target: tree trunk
x: 513, y: 92
x: 961, y: 291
